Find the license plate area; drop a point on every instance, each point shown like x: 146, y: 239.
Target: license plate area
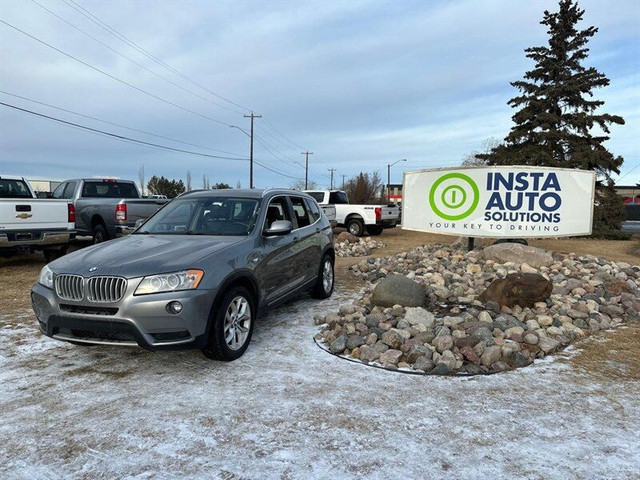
x: 24, y: 236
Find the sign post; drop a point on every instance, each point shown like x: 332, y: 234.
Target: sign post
x: 513, y: 201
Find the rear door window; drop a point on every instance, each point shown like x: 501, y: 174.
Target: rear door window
x: 338, y: 198
x: 303, y: 218
x: 314, y: 210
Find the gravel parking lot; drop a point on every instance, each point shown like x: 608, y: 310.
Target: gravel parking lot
x: 287, y: 409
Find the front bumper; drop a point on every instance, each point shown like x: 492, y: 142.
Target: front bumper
x: 133, y: 321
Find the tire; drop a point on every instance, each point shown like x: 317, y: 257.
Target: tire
x: 355, y: 226
x: 225, y: 323
x: 521, y: 241
x: 326, y: 279
x: 51, y: 254
x: 374, y: 230
x: 100, y: 234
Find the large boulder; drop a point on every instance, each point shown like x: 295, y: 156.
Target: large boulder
x: 398, y: 290
x: 524, y: 289
x: 346, y: 237
x: 518, y: 254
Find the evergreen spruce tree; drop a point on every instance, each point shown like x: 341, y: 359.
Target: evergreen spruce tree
x: 556, y: 110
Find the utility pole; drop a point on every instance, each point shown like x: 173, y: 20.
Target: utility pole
x: 306, y: 168
x: 389, y: 165
x: 343, y: 176
x: 252, y: 116
x: 331, y: 170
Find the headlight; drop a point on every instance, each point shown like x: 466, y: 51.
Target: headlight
x: 170, y: 282
x: 46, y: 277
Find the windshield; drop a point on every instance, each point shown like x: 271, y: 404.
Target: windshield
x: 204, y: 216
x: 14, y: 189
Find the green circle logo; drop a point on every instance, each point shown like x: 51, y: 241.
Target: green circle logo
x: 454, y: 196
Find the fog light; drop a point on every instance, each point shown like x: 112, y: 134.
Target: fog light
x: 174, y: 307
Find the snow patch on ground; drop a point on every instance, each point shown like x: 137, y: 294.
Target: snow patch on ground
x: 287, y: 409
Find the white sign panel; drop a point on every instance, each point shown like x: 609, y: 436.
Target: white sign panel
x: 499, y: 201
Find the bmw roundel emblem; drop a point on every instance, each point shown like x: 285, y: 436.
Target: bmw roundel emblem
x: 93, y: 269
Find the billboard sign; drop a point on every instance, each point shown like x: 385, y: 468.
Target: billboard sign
x: 518, y: 201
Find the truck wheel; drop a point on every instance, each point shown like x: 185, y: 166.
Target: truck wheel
x: 232, y: 326
x: 100, y: 234
x: 374, y: 229
x: 51, y: 254
x: 324, y: 285
x: 355, y: 227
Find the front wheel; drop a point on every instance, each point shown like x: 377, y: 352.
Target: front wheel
x: 232, y: 326
x: 324, y: 285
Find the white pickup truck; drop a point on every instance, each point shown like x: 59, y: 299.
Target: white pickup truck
x: 357, y: 218
x: 28, y: 223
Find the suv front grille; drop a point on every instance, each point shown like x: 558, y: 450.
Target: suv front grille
x: 70, y: 287
x: 106, y: 289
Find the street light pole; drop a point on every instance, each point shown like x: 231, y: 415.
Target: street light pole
x: 389, y: 165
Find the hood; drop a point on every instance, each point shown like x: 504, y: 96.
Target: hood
x: 139, y: 255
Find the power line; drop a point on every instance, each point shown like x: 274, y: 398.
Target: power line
x: 275, y: 171
x: 83, y: 11
x: 115, y: 124
x: 282, y: 134
x: 133, y: 61
x: 113, y: 77
x: 119, y: 137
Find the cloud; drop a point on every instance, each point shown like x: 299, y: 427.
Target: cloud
x: 359, y: 83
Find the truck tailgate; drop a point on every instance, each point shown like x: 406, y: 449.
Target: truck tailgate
x: 34, y: 214
x: 390, y: 213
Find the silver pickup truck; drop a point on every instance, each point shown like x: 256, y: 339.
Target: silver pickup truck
x: 106, y: 208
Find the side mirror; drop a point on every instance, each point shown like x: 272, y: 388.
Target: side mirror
x: 140, y: 222
x: 278, y: 228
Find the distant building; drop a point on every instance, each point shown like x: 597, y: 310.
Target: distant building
x: 43, y: 187
x: 630, y: 193
x: 395, y: 193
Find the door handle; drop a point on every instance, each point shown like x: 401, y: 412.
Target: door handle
x: 296, y: 238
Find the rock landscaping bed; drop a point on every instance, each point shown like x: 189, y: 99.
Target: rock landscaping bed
x: 347, y: 245
x: 441, y: 310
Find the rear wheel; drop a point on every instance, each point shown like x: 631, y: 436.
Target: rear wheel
x: 232, y: 327
x: 324, y: 285
x: 100, y: 234
x: 374, y: 229
x: 355, y: 226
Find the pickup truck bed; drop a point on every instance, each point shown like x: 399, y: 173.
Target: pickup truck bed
x: 107, y: 208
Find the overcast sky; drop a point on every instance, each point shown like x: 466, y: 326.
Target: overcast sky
x: 360, y: 84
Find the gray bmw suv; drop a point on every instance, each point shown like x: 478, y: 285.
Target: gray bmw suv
x: 194, y: 275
